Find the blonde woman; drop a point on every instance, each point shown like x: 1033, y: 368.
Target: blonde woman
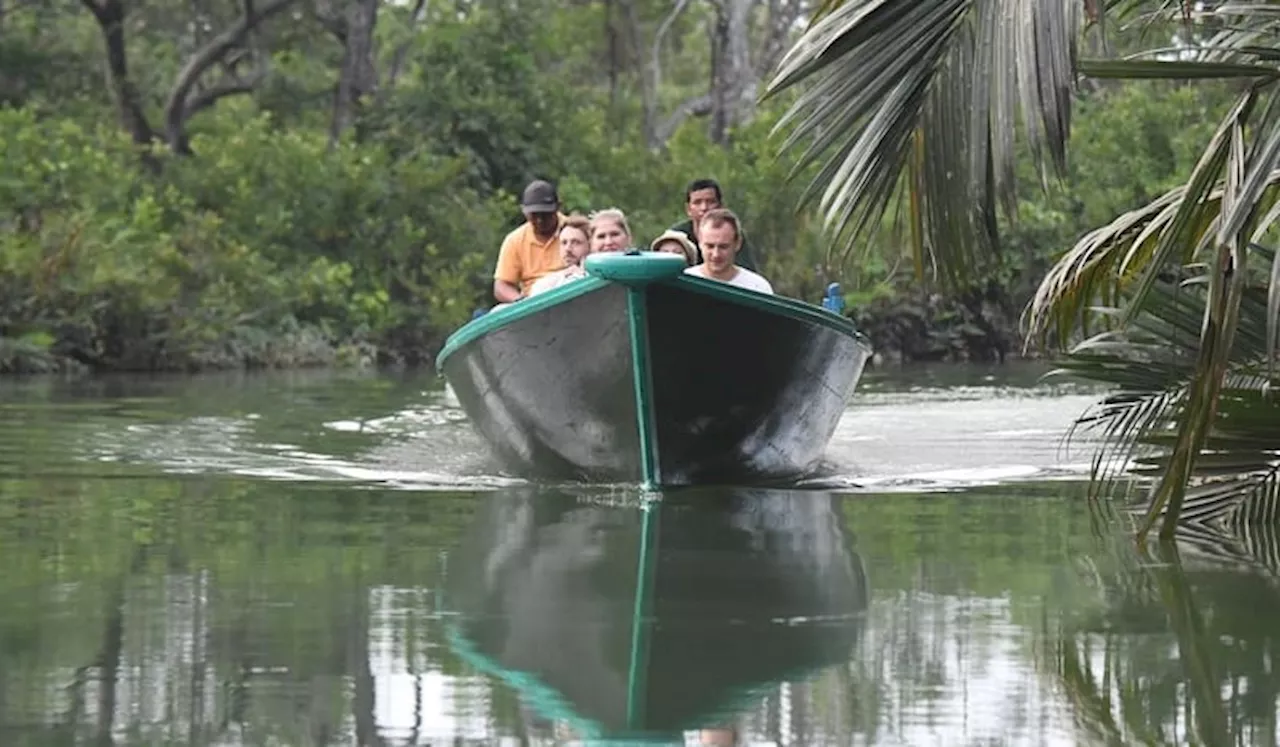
x: 575, y: 245
x: 609, y: 231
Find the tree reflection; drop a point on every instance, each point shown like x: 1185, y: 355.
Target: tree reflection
x: 1180, y: 647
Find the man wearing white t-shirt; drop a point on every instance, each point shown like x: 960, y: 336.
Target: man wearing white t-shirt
x: 720, y: 239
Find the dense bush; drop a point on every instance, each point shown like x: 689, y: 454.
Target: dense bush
x: 273, y: 246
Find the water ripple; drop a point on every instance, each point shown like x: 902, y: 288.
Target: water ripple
x: 909, y: 438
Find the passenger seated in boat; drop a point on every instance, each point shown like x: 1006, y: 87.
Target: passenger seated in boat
x: 529, y: 251
x: 720, y: 239
x: 701, y: 196
x: 575, y: 245
x: 609, y: 231
x: 676, y: 242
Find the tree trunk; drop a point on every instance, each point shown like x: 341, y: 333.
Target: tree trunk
x: 110, y: 17
x: 733, y: 81
x: 611, y: 35
x: 359, y: 75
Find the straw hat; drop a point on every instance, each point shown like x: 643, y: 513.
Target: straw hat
x: 681, y: 238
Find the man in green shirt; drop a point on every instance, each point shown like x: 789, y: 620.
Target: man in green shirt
x: 700, y: 197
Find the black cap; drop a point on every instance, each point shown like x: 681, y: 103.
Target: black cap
x: 540, y: 197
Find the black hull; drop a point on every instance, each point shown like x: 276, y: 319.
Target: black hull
x: 681, y: 382
x: 743, y: 393
x: 552, y: 392
x: 628, y: 622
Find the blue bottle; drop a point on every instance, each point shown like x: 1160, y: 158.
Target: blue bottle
x: 834, y: 300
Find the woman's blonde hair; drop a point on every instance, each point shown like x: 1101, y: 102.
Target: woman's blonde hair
x: 610, y: 215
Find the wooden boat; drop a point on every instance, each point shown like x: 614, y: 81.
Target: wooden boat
x: 642, y: 373
x: 639, y: 622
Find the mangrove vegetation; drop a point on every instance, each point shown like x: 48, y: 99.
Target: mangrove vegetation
x: 250, y: 183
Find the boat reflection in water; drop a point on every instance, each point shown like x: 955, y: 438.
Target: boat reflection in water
x: 642, y: 619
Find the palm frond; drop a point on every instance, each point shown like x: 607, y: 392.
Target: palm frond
x: 1152, y: 364
x: 928, y: 91
x: 1125, y: 258
x: 918, y: 103
x: 894, y: 90
x: 1236, y: 480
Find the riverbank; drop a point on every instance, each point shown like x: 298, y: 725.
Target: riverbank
x: 910, y: 328
x: 920, y: 326
x: 249, y: 349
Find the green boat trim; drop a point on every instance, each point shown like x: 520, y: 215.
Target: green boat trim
x: 551, y: 704
x: 636, y: 270
x: 642, y: 375
x: 545, y: 699
x: 782, y: 305
x: 477, y: 328
x: 641, y: 611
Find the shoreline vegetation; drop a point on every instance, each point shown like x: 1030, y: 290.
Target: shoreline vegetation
x: 296, y: 188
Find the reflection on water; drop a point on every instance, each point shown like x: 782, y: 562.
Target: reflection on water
x: 628, y: 622
x: 246, y: 613
x: 1180, y: 646
x: 193, y: 561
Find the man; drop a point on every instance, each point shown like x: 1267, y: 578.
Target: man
x: 532, y: 250
x: 721, y: 234
x: 701, y: 196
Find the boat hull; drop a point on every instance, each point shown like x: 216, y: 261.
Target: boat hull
x: 743, y: 392
x: 668, y: 382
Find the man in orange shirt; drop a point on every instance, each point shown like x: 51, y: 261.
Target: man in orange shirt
x: 532, y: 250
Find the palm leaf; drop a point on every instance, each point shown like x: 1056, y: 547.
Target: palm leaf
x: 1152, y: 363
x: 893, y: 89
x: 920, y: 100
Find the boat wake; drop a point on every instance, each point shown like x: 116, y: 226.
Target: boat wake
x: 884, y: 443
x: 399, y: 455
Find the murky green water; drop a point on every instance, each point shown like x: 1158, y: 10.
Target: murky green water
x: 321, y: 558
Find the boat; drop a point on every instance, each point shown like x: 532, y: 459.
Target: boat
x: 628, y: 621
x: 641, y: 373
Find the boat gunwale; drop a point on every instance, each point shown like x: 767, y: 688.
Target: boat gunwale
x: 477, y: 328
x: 792, y: 308
x: 789, y: 307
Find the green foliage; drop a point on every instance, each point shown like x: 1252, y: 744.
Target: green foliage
x: 270, y: 233
x: 274, y: 246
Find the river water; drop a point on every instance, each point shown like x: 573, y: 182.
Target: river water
x: 317, y: 558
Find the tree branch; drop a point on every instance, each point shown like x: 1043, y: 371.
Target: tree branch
x: 401, y: 52
x: 208, y: 97
x: 334, y: 23
x: 655, y: 70
x: 175, y: 108
x: 699, y: 106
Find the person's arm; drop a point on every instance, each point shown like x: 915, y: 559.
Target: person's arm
x: 506, y: 276
x: 505, y: 292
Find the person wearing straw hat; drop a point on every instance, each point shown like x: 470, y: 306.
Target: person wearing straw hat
x: 676, y: 242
